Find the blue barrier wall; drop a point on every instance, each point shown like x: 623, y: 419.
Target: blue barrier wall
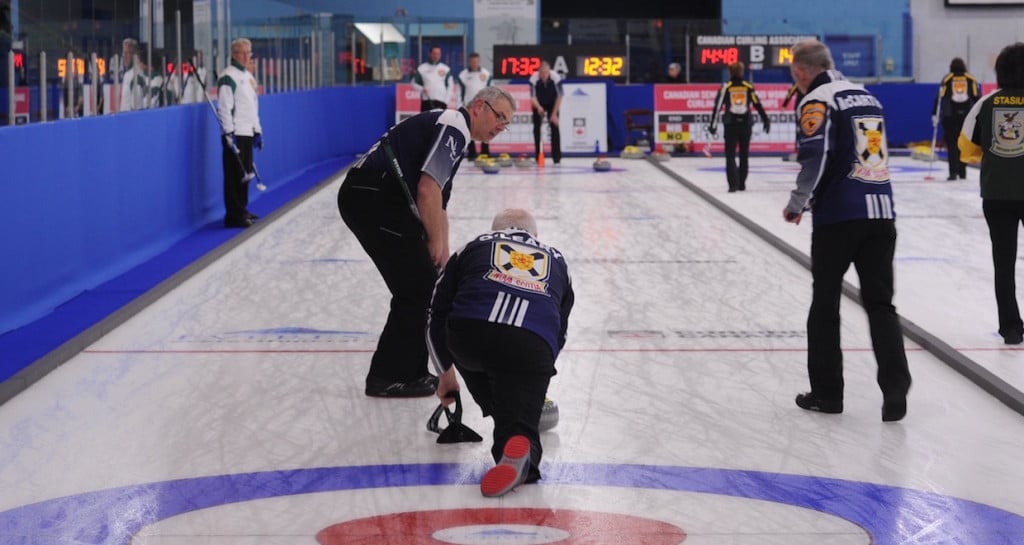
x: 87, y: 199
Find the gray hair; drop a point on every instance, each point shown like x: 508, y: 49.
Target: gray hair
x: 490, y: 94
x: 813, y: 55
x: 514, y: 217
x: 237, y: 43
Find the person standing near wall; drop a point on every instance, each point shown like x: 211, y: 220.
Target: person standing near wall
x: 844, y: 181
x: 993, y: 134
x: 195, y: 81
x: 471, y: 80
x: 129, y: 49
x: 738, y: 121
x: 958, y: 92
x: 546, y: 98
x: 239, y: 116
x: 394, y: 200
x: 433, y: 81
x: 675, y: 73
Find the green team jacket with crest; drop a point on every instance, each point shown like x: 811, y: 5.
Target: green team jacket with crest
x: 993, y: 133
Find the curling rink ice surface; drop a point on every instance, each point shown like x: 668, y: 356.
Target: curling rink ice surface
x: 231, y: 411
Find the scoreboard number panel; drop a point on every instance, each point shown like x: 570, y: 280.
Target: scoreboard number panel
x: 757, y: 52
x: 572, y: 61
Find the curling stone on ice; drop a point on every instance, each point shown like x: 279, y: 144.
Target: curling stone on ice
x: 601, y: 164
x: 659, y: 154
x: 631, y: 152
x: 505, y: 160
x: 491, y: 167
x: 481, y: 160
x: 524, y: 161
x: 548, y: 415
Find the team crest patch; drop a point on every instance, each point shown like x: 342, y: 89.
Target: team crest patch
x: 1008, y: 133
x: 872, y: 150
x: 812, y: 116
x: 519, y: 266
x: 959, y: 90
x: 738, y: 100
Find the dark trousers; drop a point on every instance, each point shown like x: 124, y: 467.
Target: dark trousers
x: 485, y: 149
x: 556, y: 137
x: 236, y: 192
x: 507, y: 383
x: 737, y: 135
x: 869, y: 245
x: 427, y: 105
x: 951, y: 126
x: 373, y: 207
x: 1003, y: 218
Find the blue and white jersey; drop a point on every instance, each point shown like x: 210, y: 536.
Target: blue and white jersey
x: 506, y: 277
x: 843, y: 154
x: 432, y: 142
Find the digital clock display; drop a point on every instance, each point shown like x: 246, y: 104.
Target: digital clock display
x: 600, y: 66
x: 571, y: 61
x: 718, y: 56
x: 522, y: 67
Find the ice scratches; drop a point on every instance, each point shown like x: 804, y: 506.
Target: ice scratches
x: 619, y: 261
x: 279, y: 335
x: 705, y: 334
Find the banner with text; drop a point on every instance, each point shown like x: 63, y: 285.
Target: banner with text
x: 683, y: 113
x: 583, y: 116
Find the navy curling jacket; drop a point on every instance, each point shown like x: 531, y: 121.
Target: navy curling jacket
x: 506, y: 277
x: 843, y: 154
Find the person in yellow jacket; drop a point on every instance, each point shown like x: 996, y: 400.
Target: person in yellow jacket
x: 957, y: 94
x: 736, y: 97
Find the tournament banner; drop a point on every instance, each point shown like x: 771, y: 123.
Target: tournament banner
x: 683, y: 112
x: 583, y: 118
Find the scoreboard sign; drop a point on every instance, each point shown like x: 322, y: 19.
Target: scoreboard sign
x: 572, y: 61
x: 757, y: 52
x: 683, y: 111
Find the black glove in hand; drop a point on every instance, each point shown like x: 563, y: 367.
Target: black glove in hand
x: 257, y: 141
x: 767, y: 126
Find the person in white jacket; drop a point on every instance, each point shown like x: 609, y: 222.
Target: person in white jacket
x: 195, y: 80
x: 433, y: 80
x: 471, y: 80
x: 239, y: 116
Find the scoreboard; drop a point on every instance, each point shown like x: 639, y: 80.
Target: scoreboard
x: 572, y: 61
x: 756, y: 52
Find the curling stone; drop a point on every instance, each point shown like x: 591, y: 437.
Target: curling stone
x: 491, y: 167
x: 631, y: 152
x: 524, y: 161
x: 548, y: 415
x: 505, y: 160
x: 602, y: 164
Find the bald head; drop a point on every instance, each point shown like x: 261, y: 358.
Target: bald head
x: 514, y: 217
